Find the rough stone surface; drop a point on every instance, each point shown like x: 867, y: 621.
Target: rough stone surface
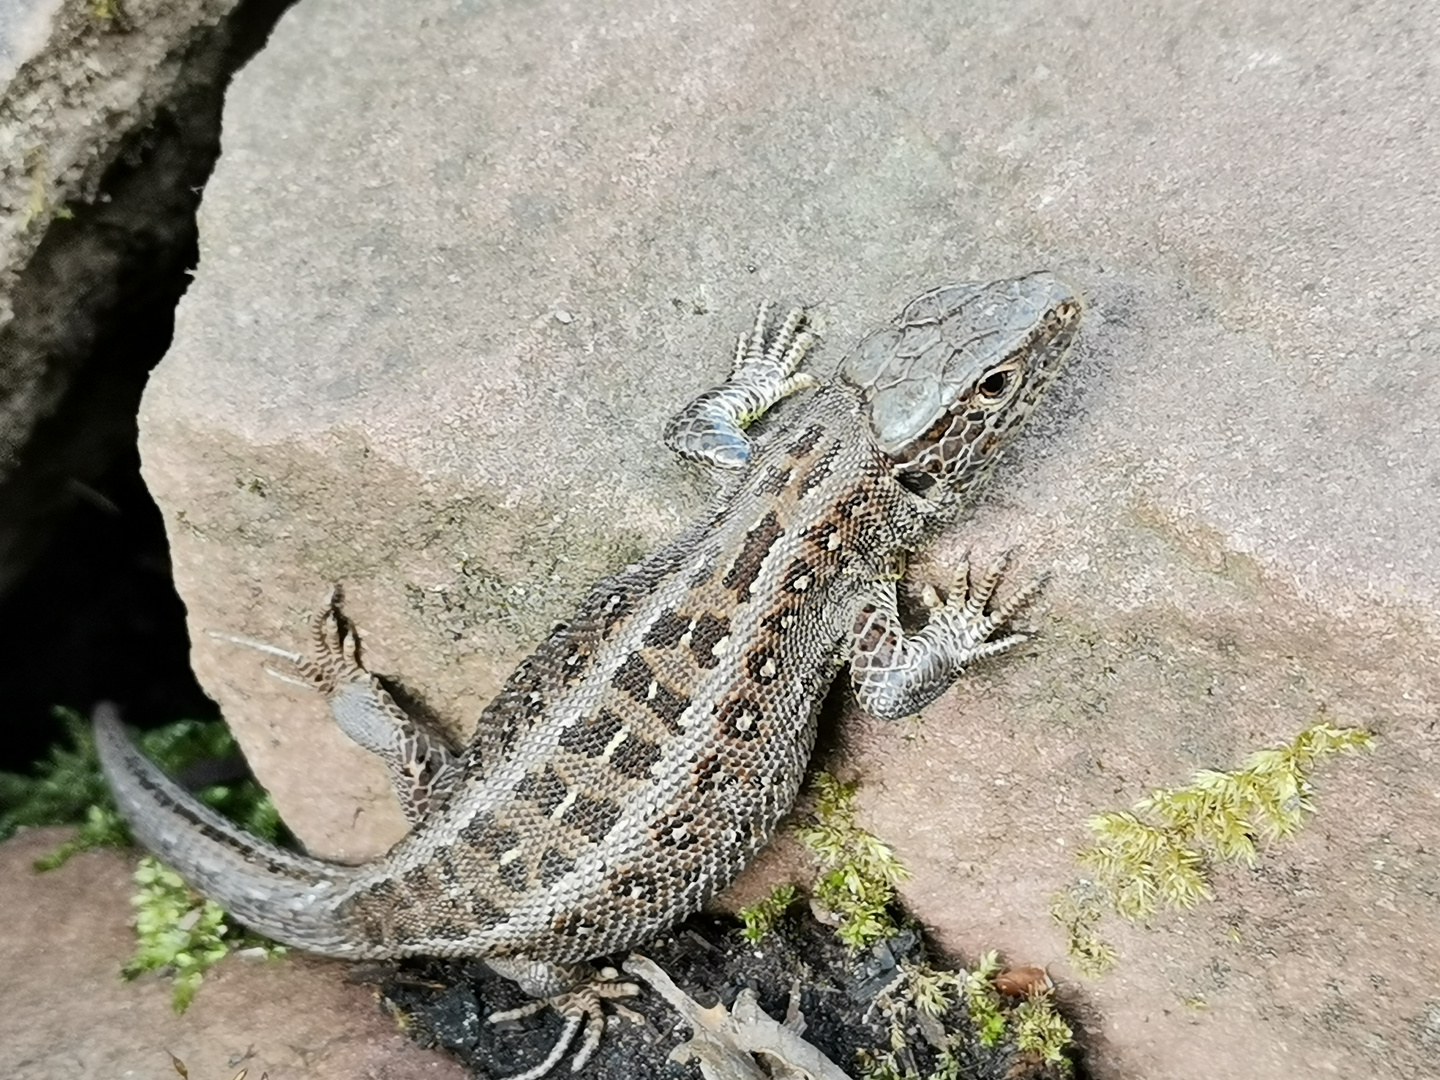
x: 75, y: 1019
x: 460, y: 261
x: 75, y: 81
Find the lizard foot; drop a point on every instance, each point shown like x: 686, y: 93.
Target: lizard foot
x: 711, y: 429
x: 967, y: 625
x: 422, y: 764
x: 334, y: 657
x: 581, y: 1004
x: 895, y: 674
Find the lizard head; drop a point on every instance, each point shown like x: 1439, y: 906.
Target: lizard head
x: 949, y: 383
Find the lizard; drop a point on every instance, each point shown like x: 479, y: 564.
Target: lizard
x: 637, y: 760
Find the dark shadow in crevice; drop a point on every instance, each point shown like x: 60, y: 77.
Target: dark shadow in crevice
x: 88, y: 608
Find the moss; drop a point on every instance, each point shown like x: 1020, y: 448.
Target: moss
x: 1157, y: 854
x: 179, y: 932
x: 762, y: 916
x: 858, y: 872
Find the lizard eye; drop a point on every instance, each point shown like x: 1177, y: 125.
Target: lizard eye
x: 993, y: 387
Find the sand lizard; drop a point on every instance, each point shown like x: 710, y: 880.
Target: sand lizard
x: 639, y: 758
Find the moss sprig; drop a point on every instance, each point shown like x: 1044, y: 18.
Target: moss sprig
x: 858, y: 871
x: 765, y: 914
x: 1157, y: 855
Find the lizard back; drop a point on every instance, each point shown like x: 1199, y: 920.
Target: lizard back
x: 637, y: 760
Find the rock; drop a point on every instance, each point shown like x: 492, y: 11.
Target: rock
x: 371, y: 383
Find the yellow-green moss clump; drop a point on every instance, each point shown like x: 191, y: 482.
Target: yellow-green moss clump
x: 1157, y: 854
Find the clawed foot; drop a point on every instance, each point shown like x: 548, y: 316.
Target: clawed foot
x: 423, y: 766
x: 334, y: 652
x: 895, y: 675
x: 711, y: 429
x: 964, y: 616
x: 581, y: 1004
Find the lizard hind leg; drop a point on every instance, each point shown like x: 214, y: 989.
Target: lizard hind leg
x: 575, y: 992
x: 711, y: 429
x: 423, y: 767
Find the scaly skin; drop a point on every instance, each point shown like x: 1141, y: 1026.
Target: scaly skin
x: 646, y: 751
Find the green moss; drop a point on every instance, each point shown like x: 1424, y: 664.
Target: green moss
x: 1157, y: 854
x: 180, y: 932
x: 983, y: 1000
x: 858, y: 872
x: 762, y: 916
x: 1033, y: 1028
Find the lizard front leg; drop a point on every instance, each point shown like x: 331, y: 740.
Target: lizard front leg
x: 711, y: 429
x: 895, y: 675
x: 423, y: 766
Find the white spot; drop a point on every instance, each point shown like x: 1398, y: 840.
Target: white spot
x: 768, y: 669
x: 652, y: 690
x: 568, y: 801
x: 510, y: 856
x: 744, y: 720
x: 636, y: 892
x: 833, y: 544
x: 801, y: 583
x: 787, y: 621
x: 721, y: 647
x: 572, y: 659
x: 614, y: 743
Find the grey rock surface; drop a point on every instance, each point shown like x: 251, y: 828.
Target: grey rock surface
x: 460, y: 261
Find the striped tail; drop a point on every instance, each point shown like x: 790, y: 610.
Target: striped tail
x: 287, y: 897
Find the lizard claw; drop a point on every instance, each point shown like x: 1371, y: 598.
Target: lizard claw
x: 580, y: 1004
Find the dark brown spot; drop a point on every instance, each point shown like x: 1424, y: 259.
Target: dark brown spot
x: 782, y: 619
x: 553, y: 866
x: 822, y: 537
x: 799, y: 576
x: 482, y: 833
x: 514, y: 874
x: 591, y: 734
x: 763, y: 666
x: 484, y: 914
x: 633, y: 886
x: 852, y: 502
x: 710, y: 773
x: 738, y: 718
x: 775, y: 480
x: 819, y: 472
x: 758, y: 542
x: 544, y: 788
x: 807, y: 441
x: 667, y: 630
x: 613, y: 609
x: 634, y: 756
x: 676, y: 831
x: 572, y: 924
x: 450, y: 931
x: 593, y: 817
x: 637, y: 679
x: 633, y: 676
x: 576, y: 661
x: 709, y: 631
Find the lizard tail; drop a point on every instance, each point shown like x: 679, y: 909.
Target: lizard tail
x: 287, y: 897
